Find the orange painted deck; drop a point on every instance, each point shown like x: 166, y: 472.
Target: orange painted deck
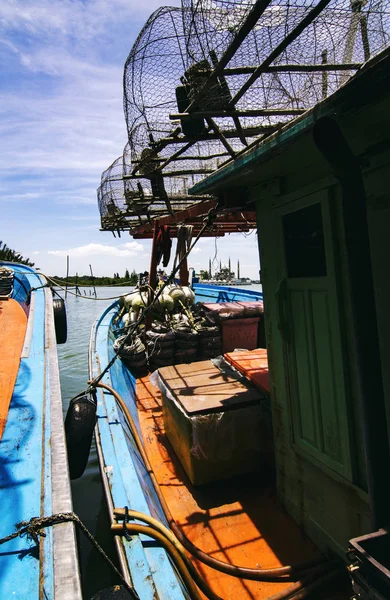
x: 236, y: 520
x: 253, y: 364
x: 13, y: 323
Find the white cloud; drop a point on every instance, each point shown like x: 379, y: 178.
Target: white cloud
x: 124, y: 250
x: 84, y: 20
x: 62, y: 124
x: 79, y: 128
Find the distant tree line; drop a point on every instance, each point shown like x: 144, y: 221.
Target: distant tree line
x: 13, y: 256
x: 85, y: 280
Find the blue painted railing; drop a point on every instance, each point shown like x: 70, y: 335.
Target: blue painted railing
x: 220, y: 293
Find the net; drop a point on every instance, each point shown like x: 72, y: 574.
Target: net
x: 203, y: 81
x: 300, y: 50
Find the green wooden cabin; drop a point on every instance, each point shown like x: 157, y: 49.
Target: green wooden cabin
x: 321, y: 190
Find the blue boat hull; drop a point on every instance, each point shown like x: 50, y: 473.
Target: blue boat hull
x: 34, y: 478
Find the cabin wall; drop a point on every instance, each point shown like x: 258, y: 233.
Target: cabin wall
x: 313, y: 366
x: 366, y: 129
x: 331, y: 505
x: 377, y: 184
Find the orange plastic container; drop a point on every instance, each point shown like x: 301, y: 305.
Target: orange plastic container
x: 253, y: 364
x: 239, y: 333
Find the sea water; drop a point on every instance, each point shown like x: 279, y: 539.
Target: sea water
x: 88, y: 496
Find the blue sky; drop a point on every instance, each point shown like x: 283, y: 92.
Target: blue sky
x: 62, y: 124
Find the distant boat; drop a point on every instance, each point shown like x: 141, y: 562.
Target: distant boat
x: 34, y: 480
x: 219, y: 292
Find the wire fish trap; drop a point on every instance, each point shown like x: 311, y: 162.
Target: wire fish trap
x: 132, y: 194
x: 283, y: 56
x: 160, y: 78
x: 110, y: 196
x: 153, y: 69
x: 152, y: 154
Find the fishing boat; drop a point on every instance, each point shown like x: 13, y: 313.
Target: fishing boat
x: 34, y: 475
x: 222, y: 496
x: 258, y: 470
x: 208, y: 292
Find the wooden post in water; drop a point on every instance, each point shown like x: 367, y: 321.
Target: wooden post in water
x: 93, y: 281
x: 77, y: 290
x: 67, y: 275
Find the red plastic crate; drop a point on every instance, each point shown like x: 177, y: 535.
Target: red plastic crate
x: 239, y: 333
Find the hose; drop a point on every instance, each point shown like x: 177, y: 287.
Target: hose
x: 307, y: 591
x: 315, y: 579
x: 169, y: 547
x: 173, y: 541
x: 278, y: 574
x: 303, y: 588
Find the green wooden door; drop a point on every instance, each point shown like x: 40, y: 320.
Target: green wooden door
x: 309, y: 321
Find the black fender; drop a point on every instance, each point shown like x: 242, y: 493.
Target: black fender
x: 60, y: 322
x: 79, y: 425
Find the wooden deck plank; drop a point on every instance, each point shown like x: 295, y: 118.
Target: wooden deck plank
x: 238, y: 520
x: 13, y: 323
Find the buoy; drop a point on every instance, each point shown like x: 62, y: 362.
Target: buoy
x: 79, y: 425
x: 60, y: 323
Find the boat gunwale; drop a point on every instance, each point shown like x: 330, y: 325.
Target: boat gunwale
x: 149, y: 566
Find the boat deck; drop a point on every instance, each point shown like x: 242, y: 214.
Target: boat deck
x: 13, y: 323
x: 233, y: 520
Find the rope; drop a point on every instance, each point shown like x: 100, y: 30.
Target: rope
x: 33, y: 528
x: 72, y: 284
x: 208, y: 221
x: 184, y: 238
x: 211, y: 215
x: 55, y: 282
